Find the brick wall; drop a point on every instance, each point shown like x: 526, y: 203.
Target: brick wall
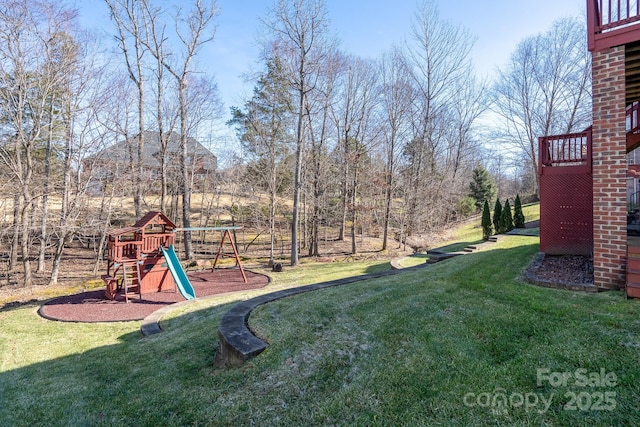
x: 609, y: 168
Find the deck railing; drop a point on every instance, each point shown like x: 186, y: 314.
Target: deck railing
x: 571, y: 149
x: 632, y: 115
x: 612, y: 22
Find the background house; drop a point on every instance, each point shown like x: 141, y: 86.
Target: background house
x: 115, y: 162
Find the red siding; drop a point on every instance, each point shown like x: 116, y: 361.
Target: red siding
x: 566, y: 221
x: 566, y: 194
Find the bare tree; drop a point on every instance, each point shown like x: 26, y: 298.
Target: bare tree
x: 299, y: 28
x: 320, y: 106
x: 48, y: 158
x: 28, y: 83
x: 81, y: 97
x: 111, y: 121
x: 155, y: 41
x: 353, y: 113
x: 544, y: 90
x: 469, y: 104
x: 193, y: 31
x: 438, y: 60
x: 128, y: 16
x: 65, y: 59
x: 396, y: 99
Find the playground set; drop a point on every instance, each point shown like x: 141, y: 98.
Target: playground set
x: 141, y: 259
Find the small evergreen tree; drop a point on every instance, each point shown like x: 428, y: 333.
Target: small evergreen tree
x: 518, y: 215
x: 486, y: 221
x: 497, y: 215
x: 506, y: 223
x: 482, y: 186
x: 465, y: 207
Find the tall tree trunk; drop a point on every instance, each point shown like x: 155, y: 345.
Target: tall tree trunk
x: 344, y: 191
x: 139, y: 161
x: 315, y: 216
x: 272, y: 224
x: 64, y: 239
x: 163, y: 177
x: 297, y: 181
x: 15, y: 240
x: 65, y: 234
x: 354, y: 211
x: 25, y: 241
x: 184, y: 169
x: 106, y: 220
x: 45, y: 195
x: 25, y: 218
x: 388, y: 198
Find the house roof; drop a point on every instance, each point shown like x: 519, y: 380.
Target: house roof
x: 152, y: 156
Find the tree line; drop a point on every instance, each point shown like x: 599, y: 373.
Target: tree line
x: 382, y: 146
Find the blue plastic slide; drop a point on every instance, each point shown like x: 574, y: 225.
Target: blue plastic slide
x: 180, y: 277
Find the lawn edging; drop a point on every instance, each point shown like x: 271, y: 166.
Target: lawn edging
x: 237, y: 343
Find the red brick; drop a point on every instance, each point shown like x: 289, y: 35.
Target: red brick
x: 609, y: 167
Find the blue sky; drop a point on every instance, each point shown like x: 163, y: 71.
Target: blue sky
x: 367, y: 28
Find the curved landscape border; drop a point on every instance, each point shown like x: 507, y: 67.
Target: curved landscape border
x: 238, y: 343
x: 93, y: 306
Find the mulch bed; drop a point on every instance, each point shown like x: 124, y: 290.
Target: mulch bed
x: 572, y: 272
x: 94, y: 306
x: 566, y: 268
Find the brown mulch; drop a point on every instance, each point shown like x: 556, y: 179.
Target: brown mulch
x: 566, y: 268
x: 94, y: 306
x: 561, y: 271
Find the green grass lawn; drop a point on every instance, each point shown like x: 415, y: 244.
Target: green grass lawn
x: 433, y: 346
x: 470, y: 234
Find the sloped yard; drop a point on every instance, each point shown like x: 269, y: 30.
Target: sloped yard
x: 462, y: 342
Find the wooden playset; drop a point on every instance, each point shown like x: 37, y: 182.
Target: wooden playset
x: 227, y: 235
x: 141, y: 259
x: 135, y: 263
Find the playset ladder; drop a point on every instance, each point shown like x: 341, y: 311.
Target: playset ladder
x: 129, y: 284
x: 136, y: 279
x: 227, y: 234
